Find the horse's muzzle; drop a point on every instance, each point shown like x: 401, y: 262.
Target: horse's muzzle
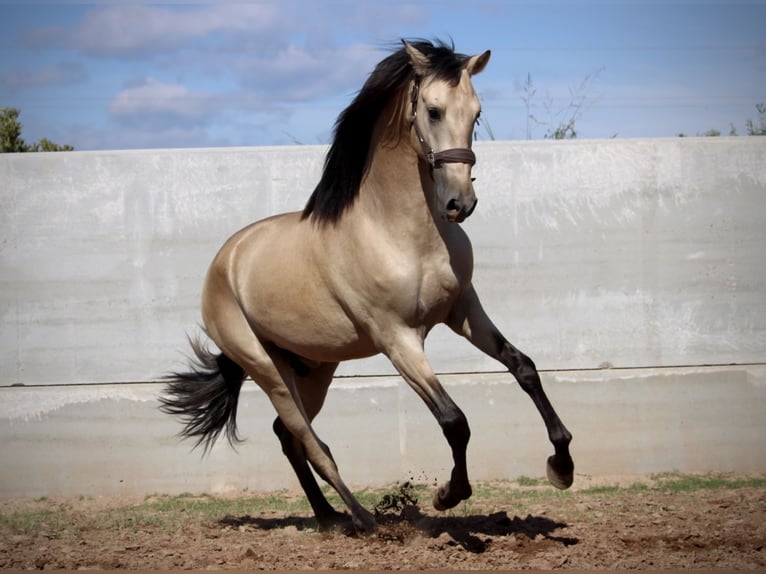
x: 457, y: 212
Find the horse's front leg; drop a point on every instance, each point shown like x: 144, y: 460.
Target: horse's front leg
x: 469, y: 319
x: 408, y: 356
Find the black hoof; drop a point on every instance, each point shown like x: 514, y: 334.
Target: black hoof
x: 364, y: 522
x: 560, y: 473
x: 445, y: 498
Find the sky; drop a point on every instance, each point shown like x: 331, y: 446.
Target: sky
x: 130, y: 75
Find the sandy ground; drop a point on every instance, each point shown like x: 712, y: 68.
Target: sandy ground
x: 503, y: 528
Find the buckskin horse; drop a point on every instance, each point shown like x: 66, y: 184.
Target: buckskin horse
x: 375, y: 259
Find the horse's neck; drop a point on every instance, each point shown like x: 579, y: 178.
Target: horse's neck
x: 396, y: 194
x: 394, y: 204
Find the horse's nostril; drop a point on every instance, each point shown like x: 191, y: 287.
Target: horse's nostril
x: 453, y: 205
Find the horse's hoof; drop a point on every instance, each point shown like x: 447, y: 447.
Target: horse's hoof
x: 364, y: 522
x: 561, y: 478
x: 444, y: 499
x: 440, y: 503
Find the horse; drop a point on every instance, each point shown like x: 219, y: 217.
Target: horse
x: 375, y: 260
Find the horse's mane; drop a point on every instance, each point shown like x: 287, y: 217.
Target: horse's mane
x: 348, y: 158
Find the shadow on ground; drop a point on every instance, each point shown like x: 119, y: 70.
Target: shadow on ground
x: 471, y: 532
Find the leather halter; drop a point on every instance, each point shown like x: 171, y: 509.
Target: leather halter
x: 437, y: 158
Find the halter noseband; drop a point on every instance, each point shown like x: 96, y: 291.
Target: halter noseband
x: 437, y: 158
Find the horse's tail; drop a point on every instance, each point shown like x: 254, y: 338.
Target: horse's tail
x: 205, y: 398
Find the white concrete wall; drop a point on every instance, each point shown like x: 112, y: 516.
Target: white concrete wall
x: 111, y: 439
x: 639, y: 254
x: 631, y: 252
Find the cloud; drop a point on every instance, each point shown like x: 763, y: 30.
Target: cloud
x: 62, y: 74
x: 299, y: 73
x: 208, y: 69
x: 171, y: 112
x: 136, y: 30
x: 152, y: 103
x: 293, y: 49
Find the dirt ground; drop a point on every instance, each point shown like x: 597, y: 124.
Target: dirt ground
x: 506, y: 526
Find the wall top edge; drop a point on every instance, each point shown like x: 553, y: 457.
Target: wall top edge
x: 722, y: 140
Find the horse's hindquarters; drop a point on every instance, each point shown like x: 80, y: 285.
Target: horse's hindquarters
x: 267, y: 281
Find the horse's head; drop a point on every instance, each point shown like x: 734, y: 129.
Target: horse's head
x: 444, y: 112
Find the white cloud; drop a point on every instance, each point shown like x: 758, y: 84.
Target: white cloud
x: 137, y: 30
x: 150, y: 111
x: 215, y: 67
x: 302, y: 73
x: 153, y: 102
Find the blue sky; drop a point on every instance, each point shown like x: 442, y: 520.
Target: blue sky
x: 124, y: 74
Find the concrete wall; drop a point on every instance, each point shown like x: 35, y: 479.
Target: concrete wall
x: 641, y: 255
x: 112, y: 440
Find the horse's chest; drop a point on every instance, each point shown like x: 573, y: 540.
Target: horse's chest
x: 438, y: 289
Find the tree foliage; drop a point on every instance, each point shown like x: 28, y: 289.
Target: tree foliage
x: 10, y: 131
x: 11, y: 140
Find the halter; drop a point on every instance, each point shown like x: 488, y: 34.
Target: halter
x: 437, y: 158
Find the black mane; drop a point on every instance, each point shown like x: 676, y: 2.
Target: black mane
x: 347, y: 159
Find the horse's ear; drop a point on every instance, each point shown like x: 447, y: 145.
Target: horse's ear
x: 476, y: 64
x: 419, y: 61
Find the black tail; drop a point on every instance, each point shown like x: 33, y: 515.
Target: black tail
x: 205, y: 399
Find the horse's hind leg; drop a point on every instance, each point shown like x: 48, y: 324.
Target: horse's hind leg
x: 286, y: 400
x: 312, y: 386
x: 469, y: 319
x: 325, y: 514
x: 272, y: 371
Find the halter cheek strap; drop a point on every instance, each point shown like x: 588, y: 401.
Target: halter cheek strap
x: 437, y: 158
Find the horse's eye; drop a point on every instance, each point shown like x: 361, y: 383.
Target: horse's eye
x: 434, y: 114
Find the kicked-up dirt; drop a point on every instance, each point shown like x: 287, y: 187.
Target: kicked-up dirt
x: 673, y: 522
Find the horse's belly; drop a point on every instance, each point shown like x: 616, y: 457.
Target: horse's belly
x: 310, y: 331
x: 297, y: 313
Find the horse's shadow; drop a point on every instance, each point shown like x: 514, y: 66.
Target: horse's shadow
x: 470, y: 531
